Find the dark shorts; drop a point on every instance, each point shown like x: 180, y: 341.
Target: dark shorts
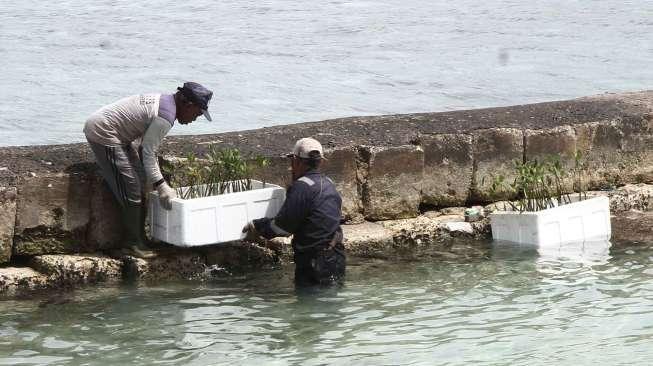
x: 323, y: 267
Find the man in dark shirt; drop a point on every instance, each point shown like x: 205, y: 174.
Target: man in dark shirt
x: 311, y: 213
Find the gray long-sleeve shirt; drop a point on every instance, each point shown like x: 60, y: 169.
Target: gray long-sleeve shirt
x: 132, y: 118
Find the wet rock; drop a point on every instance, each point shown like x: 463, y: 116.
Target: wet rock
x: 238, y: 256
x: 52, y: 214
x: 391, y: 180
x: 448, y: 169
x: 458, y: 211
x: 7, y: 222
x: 412, y: 234
x: 368, y: 239
x: 70, y: 270
x: 453, y: 228
x: 450, y: 218
x: 629, y: 197
x: 633, y: 226
x: 17, y: 280
x: 171, y: 266
x: 495, y: 151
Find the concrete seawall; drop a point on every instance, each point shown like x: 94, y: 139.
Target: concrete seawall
x: 386, y: 167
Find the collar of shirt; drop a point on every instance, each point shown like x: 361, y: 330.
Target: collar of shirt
x: 168, y: 108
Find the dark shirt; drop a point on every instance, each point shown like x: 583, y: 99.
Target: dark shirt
x: 311, y: 212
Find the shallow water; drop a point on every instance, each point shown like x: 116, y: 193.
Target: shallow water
x: 283, y: 61
x: 513, y: 307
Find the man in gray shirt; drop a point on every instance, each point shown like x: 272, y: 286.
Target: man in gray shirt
x: 115, y: 132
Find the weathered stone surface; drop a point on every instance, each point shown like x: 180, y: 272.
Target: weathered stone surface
x: 411, y: 234
x: 495, y: 151
x: 464, y: 228
x: 52, y: 214
x: 368, y: 239
x: 7, y: 222
x: 559, y: 142
x: 619, y: 151
x: 632, y: 226
x: 16, y: 280
x: 448, y: 169
x: 174, y: 266
x: 629, y: 197
x: 240, y: 255
x: 104, y: 227
x: 341, y: 168
x: 391, y: 181
x: 70, y: 270
x: 276, y: 172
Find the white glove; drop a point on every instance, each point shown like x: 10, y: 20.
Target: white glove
x: 166, y: 195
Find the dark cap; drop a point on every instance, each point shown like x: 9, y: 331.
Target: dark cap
x: 198, y: 95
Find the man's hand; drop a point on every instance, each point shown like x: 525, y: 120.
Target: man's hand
x: 252, y: 235
x: 166, y: 195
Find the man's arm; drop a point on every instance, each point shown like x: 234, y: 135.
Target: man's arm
x: 154, y: 134
x: 291, y: 215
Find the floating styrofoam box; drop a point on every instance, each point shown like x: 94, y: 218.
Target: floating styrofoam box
x: 587, y: 220
x: 213, y: 219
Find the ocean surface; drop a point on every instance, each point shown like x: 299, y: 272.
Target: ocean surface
x: 510, y: 308
x: 278, y: 62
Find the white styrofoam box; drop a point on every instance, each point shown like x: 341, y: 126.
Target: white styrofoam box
x: 213, y: 219
x: 587, y: 220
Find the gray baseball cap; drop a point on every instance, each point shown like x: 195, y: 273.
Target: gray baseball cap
x: 307, y: 148
x: 198, y: 95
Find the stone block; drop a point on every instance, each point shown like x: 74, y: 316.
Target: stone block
x: 617, y: 152
x: 18, y: 280
x: 52, y: 214
x: 342, y: 169
x: 173, y: 266
x: 391, y: 180
x: 71, y: 270
x: 105, y: 227
x: 495, y: 151
x: 552, y: 142
x: 7, y: 222
x: 448, y: 169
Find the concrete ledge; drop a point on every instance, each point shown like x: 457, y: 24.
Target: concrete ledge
x: 387, y: 167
